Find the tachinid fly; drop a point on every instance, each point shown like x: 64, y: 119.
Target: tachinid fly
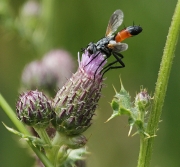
x: 111, y: 43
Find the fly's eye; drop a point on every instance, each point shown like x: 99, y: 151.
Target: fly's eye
x: 90, y: 49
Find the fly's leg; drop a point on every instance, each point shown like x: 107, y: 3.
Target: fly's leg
x: 92, y: 59
x: 118, y: 57
x: 107, y: 53
x: 99, y: 67
x: 110, y: 66
x: 103, y: 49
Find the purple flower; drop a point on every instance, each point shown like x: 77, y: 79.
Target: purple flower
x: 50, y: 73
x: 36, y: 75
x: 92, y: 69
x: 76, y: 101
x: 60, y: 64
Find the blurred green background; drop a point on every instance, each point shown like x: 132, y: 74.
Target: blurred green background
x: 75, y: 24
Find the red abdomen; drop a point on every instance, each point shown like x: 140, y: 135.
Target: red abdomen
x: 122, y: 35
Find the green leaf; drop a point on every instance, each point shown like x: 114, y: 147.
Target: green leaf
x: 34, y: 140
x: 121, y: 104
x: 73, y: 156
x: 123, y: 98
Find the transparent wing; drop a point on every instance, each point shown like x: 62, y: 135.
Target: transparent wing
x: 114, y: 22
x: 120, y: 47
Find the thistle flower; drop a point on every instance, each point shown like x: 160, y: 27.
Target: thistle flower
x: 59, y: 63
x: 76, y: 102
x: 49, y: 73
x: 35, y: 75
x: 34, y: 109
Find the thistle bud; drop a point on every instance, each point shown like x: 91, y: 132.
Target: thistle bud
x: 76, y: 142
x: 49, y: 73
x: 142, y: 100
x: 76, y: 102
x: 34, y: 109
x: 35, y: 75
x: 59, y: 63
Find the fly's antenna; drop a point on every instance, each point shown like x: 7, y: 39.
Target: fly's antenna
x: 133, y: 24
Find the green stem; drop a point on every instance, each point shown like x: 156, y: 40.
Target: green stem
x: 160, y: 90
x: 41, y: 156
x: 57, y: 142
x: 7, y: 109
x: 11, y: 114
x: 140, y: 160
x: 44, y: 136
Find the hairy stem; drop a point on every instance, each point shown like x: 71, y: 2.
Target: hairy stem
x: 160, y: 90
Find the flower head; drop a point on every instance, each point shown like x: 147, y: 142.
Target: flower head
x: 34, y: 109
x: 36, y: 75
x: 76, y: 102
x: 59, y: 63
x: 49, y: 73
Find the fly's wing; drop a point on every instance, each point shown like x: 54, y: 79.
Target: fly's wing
x: 120, y: 47
x: 114, y: 22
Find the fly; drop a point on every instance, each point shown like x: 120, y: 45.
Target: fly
x: 111, y: 43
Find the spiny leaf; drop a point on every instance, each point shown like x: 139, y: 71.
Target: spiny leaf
x: 121, y: 104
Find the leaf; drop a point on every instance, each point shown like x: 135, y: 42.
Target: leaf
x: 121, y: 104
x: 34, y: 140
x: 74, y: 155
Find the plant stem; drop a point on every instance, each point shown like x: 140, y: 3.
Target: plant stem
x: 160, y: 90
x: 43, y: 135
x: 11, y: 114
x: 41, y: 156
x: 7, y: 109
x: 57, y: 142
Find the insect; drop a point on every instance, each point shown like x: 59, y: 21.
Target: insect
x: 111, y: 43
